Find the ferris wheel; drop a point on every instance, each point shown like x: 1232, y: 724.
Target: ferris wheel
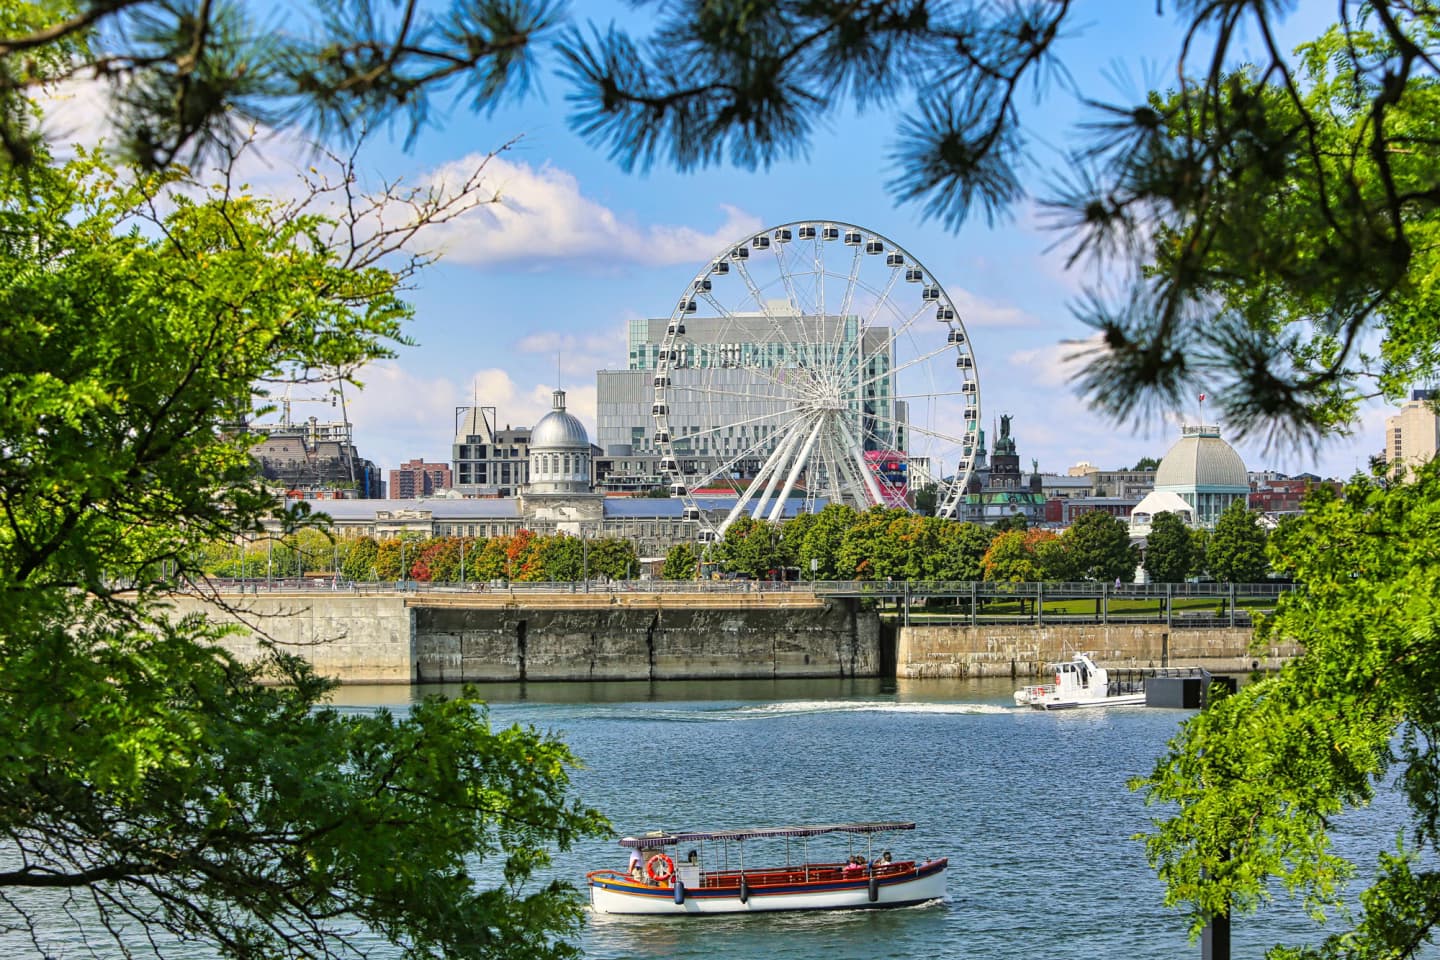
x: 815, y: 362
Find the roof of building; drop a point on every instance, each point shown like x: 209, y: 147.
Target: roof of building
x: 558, y: 429
x: 1162, y: 501
x: 1201, y: 460
x: 448, y: 508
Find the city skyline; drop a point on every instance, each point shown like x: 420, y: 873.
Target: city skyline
x: 576, y: 247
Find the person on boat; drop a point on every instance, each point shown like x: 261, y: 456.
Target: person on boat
x: 854, y: 864
x: 884, y: 860
x: 634, y: 868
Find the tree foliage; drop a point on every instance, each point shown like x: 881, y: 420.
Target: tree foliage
x: 147, y: 775
x: 1236, y: 549
x: 1169, y: 551
x: 681, y: 563
x: 1098, y: 548
x: 1254, y: 786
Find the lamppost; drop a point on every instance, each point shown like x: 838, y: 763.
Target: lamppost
x: 584, y: 558
x: 462, y: 561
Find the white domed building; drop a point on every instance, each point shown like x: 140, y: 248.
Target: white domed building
x: 561, y: 476
x: 1198, y: 479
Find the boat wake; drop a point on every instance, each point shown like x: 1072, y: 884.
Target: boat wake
x: 791, y: 707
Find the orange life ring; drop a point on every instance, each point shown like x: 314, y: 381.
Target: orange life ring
x: 659, y: 868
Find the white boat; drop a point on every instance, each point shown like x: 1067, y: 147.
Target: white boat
x: 1080, y: 683
x: 712, y: 876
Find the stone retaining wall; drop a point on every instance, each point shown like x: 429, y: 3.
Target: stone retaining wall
x: 417, y: 638
x: 1025, y: 650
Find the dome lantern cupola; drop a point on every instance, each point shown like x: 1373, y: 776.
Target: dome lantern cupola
x: 559, y: 452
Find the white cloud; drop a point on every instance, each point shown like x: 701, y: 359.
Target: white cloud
x: 579, y: 354
x: 542, y: 214
x: 1055, y: 364
x: 976, y: 311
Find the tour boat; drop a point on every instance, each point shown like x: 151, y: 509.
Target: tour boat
x: 1080, y: 683
x: 712, y: 877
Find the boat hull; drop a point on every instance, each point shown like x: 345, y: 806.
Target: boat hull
x: 922, y: 883
x: 1120, y: 700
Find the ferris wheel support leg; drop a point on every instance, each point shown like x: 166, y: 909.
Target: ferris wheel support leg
x: 857, y: 455
x: 770, y: 471
x: 779, y: 509
x: 775, y: 466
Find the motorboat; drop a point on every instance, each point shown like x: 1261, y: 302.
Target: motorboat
x: 1079, y: 682
x: 712, y: 875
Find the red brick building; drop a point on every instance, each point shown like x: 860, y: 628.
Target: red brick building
x: 419, y: 479
x: 1284, y: 496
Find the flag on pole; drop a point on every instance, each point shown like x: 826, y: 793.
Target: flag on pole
x: 1202, y: 398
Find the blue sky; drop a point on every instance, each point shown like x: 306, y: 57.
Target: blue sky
x: 576, y: 247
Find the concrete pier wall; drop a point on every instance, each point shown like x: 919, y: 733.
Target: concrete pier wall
x: 1025, y: 650
x: 356, y: 638
x: 418, y: 638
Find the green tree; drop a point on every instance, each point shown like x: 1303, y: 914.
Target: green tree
x: 875, y: 546
x: 960, y: 549
x: 1013, y: 557
x: 1099, y: 548
x: 614, y: 558
x: 1146, y: 463
x: 1199, y: 549
x: 360, y: 560
x: 820, y: 544
x: 1236, y: 552
x: 562, y: 558
x: 1168, y: 549
x: 1252, y: 787
x: 170, y: 785
x: 750, y: 547
x: 681, y: 563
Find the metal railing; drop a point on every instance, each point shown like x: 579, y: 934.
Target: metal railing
x: 913, y: 602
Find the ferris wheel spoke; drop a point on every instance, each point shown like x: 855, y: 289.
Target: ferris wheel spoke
x: 758, y: 296
x: 892, y: 335
x: 748, y: 395
x: 930, y: 396
x: 924, y: 431
x: 755, y: 448
x: 912, y: 362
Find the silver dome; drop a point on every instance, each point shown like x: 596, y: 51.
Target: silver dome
x: 1200, y: 460
x: 558, y: 429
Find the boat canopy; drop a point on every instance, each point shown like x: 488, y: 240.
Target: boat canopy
x: 660, y: 838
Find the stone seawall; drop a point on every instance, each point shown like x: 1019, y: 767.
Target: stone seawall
x: 422, y: 638
x: 652, y: 642
x: 357, y: 638
x: 1025, y: 650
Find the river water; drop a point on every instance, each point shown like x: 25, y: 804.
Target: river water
x: 1030, y: 807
